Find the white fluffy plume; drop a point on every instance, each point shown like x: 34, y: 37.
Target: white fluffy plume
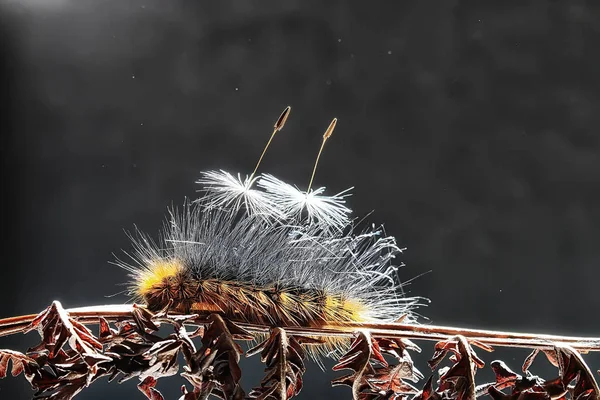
x: 274, y: 199
x: 227, y: 192
x: 326, y: 211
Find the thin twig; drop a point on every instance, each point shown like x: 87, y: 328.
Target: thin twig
x: 91, y: 315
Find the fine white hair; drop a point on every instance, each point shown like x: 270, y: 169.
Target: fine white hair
x: 294, y: 204
x: 222, y: 190
x: 239, y: 233
x: 268, y: 232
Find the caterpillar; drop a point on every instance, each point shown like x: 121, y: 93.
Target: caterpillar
x: 259, y: 250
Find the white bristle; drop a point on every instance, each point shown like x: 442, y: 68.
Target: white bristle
x: 225, y: 191
x: 327, y: 211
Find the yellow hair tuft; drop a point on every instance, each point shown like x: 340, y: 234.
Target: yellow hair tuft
x: 156, y: 273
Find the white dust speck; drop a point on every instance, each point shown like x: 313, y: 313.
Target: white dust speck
x: 389, y: 52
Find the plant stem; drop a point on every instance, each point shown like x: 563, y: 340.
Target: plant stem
x: 91, y: 315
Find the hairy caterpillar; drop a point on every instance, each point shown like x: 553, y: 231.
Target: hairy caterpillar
x: 262, y: 251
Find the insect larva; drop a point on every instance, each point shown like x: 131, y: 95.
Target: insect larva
x: 262, y: 251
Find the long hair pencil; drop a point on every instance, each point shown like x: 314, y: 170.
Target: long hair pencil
x: 258, y: 258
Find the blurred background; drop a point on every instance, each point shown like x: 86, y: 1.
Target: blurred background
x: 469, y: 127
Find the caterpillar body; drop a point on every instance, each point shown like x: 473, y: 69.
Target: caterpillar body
x: 261, y: 251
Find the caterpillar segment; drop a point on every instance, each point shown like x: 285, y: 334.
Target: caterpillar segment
x: 167, y: 283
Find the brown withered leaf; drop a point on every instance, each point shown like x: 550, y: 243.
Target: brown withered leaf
x: 193, y: 395
x: 504, y: 375
x: 144, y: 319
x: 458, y: 380
x: 391, y: 379
x: 214, y: 368
x: 373, y: 378
x: 145, y: 355
x: 398, y: 348
x: 496, y: 394
x: 529, y: 360
x: 64, y: 372
x: 66, y: 389
x: 428, y: 393
x: 56, y: 328
x: 283, y: 356
x: 571, y: 368
x: 70, y: 358
x: 104, y: 330
x: 506, y: 378
x: 147, y: 386
x: 522, y: 387
x: 357, y: 359
x: 20, y: 363
x: 575, y: 379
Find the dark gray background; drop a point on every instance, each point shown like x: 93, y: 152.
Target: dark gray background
x: 470, y: 127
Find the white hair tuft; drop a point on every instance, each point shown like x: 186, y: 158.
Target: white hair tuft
x: 326, y: 211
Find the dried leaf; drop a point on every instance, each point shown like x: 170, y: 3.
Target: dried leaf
x: 572, y: 368
x: 283, y: 356
x: 214, y: 367
x: 70, y: 358
x: 373, y: 378
x: 20, y: 363
x: 147, y: 386
x: 458, y: 380
x: 428, y: 393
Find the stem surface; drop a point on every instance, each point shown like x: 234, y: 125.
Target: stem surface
x: 120, y: 312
